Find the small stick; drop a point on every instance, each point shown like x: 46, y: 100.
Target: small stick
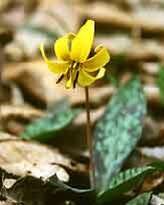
x: 89, y: 136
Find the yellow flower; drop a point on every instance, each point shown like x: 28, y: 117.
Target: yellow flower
x: 72, y: 52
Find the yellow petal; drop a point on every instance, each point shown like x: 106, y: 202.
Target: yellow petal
x: 100, y: 59
x: 59, y: 67
x: 82, y: 43
x: 86, y: 79
x: 62, y: 47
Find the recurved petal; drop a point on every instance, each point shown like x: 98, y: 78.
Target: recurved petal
x: 62, y: 46
x: 100, y: 59
x: 86, y: 79
x: 82, y: 43
x: 59, y: 67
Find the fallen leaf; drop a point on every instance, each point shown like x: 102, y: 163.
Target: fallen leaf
x: 31, y: 158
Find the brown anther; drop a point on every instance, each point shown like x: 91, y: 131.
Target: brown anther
x: 60, y: 79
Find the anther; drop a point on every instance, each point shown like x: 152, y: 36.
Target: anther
x: 76, y: 78
x: 60, y: 79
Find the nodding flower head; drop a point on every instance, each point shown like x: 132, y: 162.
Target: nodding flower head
x: 73, y: 62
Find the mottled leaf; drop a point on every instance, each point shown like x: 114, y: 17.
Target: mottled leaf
x: 118, y: 132
x: 124, y: 182
x: 142, y: 199
x: 129, y: 176
x: 56, y: 119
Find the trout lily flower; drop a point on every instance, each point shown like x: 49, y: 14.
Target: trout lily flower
x: 74, y: 63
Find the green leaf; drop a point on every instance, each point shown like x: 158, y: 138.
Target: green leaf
x: 129, y: 176
x: 61, y: 105
x: 127, y: 181
x: 124, y: 182
x: 160, y: 81
x: 142, y: 199
x: 85, y: 196
x: 55, y: 120
x: 158, y: 164
x: 118, y: 132
x: 55, y: 182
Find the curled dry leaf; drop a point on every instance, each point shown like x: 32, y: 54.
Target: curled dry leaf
x: 35, y: 30
x: 147, y: 19
x: 46, y: 91
x: 133, y: 5
x: 8, y: 112
x: 26, y: 76
x: 152, y: 182
x: 121, y: 44
x: 7, y: 137
x: 13, y: 117
x: 30, y: 158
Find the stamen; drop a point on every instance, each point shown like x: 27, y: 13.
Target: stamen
x: 60, y: 79
x: 68, y: 74
x: 77, y: 65
x: 76, y: 78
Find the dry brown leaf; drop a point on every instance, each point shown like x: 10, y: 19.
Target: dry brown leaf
x: 8, y: 112
x: 152, y: 182
x: 13, y: 117
x: 133, y: 5
x: 23, y: 158
x: 120, y: 44
x: 65, y: 17
x: 45, y: 90
x: 61, y: 19
x: 148, y: 19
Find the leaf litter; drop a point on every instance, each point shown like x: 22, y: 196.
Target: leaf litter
x: 30, y: 163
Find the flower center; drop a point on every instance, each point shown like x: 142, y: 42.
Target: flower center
x: 71, y: 74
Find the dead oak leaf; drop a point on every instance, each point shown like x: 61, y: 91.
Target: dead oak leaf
x: 31, y: 158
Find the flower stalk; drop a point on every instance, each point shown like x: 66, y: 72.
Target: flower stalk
x: 89, y: 136
x: 76, y: 65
